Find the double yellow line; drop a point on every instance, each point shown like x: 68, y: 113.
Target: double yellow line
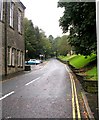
x: 75, y: 104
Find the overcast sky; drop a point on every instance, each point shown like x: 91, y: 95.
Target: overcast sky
x: 45, y: 15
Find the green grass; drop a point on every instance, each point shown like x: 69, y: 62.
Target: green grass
x: 66, y: 58
x: 92, y: 74
x: 80, y: 61
x: 70, y: 57
x: 63, y: 58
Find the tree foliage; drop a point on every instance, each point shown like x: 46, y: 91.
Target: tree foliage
x: 60, y: 46
x: 80, y: 19
x: 36, y: 42
x: 63, y: 46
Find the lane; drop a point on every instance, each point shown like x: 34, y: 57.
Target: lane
x: 19, y: 81
x: 50, y: 96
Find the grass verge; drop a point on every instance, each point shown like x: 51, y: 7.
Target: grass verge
x: 80, y: 62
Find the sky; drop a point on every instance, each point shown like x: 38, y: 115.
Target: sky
x: 45, y: 15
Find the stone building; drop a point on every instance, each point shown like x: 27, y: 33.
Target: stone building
x: 12, y: 46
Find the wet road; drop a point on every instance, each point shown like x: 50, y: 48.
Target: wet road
x: 45, y: 92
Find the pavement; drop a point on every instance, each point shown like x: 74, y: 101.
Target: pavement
x: 93, y: 104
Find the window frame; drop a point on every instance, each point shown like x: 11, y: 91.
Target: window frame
x: 1, y: 10
x: 11, y: 14
x: 9, y: 55
x: 21, y: 59
x: 18, y: 58
x: 19, y: 21
x: 13, y: 57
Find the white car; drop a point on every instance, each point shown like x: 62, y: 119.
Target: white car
x: 33, y: 61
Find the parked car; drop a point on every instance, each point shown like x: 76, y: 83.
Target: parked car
x: 33, y: 61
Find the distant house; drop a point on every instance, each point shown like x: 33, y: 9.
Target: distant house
x: 12, y: 46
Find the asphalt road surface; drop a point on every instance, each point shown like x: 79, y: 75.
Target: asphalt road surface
x: 45, y: 92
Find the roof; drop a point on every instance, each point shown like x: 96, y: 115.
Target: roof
x: 22, y: 5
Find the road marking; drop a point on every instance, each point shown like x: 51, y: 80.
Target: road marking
x: 73, y: 102
x: 74, y: 96
x: 77, y: 104
x: 6, y: 95
x: 67, y: 69
x: 32, y: 81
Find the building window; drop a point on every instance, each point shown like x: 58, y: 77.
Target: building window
x: 19, y: 21
x: 13, y: 57
x: 11, y: 13
x: 21, y: 59
x: 18, y: 57
x: 9, y: 55
x: 1, y: 9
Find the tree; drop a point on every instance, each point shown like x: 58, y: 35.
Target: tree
x: 44, y: 44
x: 60, y: 46
x: 63, y: 46
x: 29, y: 36
x: 80, y: 19
x: 51, y: 40
x: 56, y: 46
x: 36, y: 42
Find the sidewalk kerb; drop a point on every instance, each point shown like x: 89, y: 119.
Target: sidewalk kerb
x: 87, y: 106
